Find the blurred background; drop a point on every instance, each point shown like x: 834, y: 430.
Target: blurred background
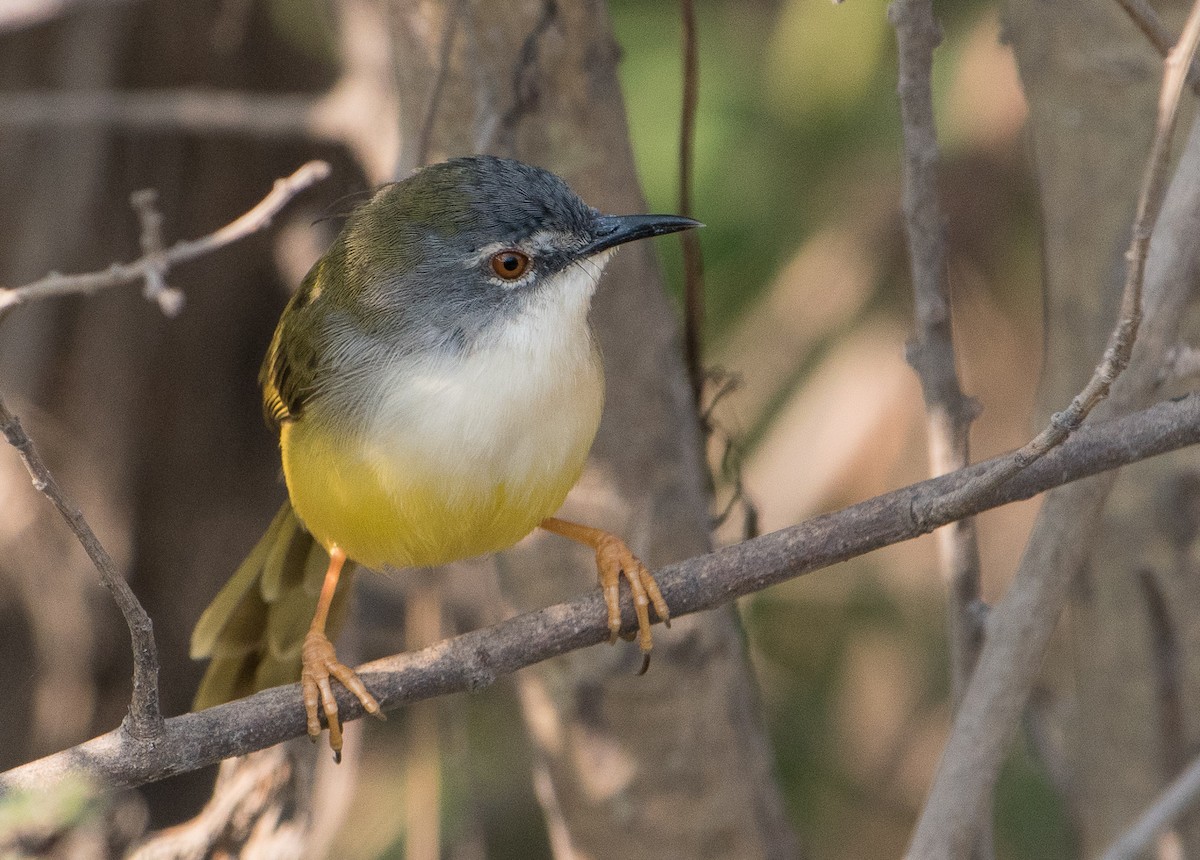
x: 798, y: 153
x: 809, y: 300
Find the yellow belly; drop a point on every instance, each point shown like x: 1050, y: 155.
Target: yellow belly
x: 407, y: 514
x: 450, y: 458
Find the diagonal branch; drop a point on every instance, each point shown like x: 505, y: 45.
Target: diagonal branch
x: 145, y: 721
x: 1146, y: 19
x: 475, y: 660
x: 1176, y: 799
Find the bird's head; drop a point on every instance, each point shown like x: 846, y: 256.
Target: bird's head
x: 475, y: 240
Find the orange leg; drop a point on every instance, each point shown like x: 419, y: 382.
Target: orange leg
x: 614, y: 558
x: 320, y: 662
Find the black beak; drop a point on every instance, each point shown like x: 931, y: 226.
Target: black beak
x: 613, y: 230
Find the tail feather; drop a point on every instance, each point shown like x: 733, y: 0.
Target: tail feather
x: 255, y: 626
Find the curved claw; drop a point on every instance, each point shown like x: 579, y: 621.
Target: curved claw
x: 614, y: 559
x: 320, y: 662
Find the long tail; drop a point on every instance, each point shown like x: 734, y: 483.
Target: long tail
x: 255, y: 626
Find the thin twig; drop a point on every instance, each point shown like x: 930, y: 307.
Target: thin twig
x: 145, y: 204
x: 1019, y: 630
x: 931, y: 352
x: 1146, y: 19
x: 693, y: 260
x: 475, y: 660
x: 1124, y: 333
x: 157, y: 264
x: 145, y: 722
x: 1177, y: 799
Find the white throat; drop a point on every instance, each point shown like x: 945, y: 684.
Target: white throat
x: 523, y: 402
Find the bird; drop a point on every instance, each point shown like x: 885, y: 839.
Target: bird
x: 436, y: 387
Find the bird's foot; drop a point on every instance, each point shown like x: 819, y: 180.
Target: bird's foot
x: 614, y: 559
x: 319, y: 663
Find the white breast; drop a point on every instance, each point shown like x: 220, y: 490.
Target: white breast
x: 523, y: 405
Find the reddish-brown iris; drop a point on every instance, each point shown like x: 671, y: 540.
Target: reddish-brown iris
x: 510, y: 264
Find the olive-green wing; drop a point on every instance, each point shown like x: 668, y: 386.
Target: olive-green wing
x: 289, y: 370
x: 254, y: 628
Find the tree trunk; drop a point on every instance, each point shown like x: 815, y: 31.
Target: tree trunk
x: 674, y: 763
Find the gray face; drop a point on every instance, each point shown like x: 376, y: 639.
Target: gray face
x: 426, y: 249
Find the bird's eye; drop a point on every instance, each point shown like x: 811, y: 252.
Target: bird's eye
x: 510, y: 264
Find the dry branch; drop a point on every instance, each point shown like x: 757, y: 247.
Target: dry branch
x: 1124, y: 333
x: 693, y: 260
x: 475, y: 660
x: 1019, y: 631
x: 155, y: 265
x: 1146, y: 19
x: 931, y: 352
x: 145, y: 722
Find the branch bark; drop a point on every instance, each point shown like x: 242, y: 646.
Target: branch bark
x: 1146, y: 19
x: 476, y: 660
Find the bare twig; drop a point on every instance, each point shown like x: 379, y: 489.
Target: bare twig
x: 1178, y: 798
x: 156, y: 264
x: 1146, y: 19
x: 931, y: 352
x: 475, y: 660
x: 693, y: 260
x: 145, y: 204
x: 145, y: 722
x: 1120, y: 342
x: 1019, y: 630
